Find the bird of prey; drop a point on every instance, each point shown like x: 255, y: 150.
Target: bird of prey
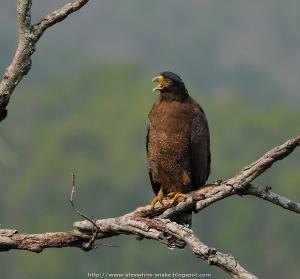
x: 178, y: 142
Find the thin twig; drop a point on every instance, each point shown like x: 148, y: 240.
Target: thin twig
x: 73, y: 204
x: 96, y: 229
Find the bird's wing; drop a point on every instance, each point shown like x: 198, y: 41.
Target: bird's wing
x: 200, y: 150
x: 155, y: 185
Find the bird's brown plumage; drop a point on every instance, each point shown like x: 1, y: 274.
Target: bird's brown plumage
x: 178, y: 141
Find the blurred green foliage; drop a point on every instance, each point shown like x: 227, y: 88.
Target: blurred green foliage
x: 94, y: 124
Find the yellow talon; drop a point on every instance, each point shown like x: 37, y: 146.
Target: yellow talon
x: 158, y: 198
x: 176, y: 196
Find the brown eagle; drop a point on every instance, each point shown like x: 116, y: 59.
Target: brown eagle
x: 178, y: 143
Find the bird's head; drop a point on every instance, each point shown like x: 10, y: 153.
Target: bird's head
x: 169, y: 82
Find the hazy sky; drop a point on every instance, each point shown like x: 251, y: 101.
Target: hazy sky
x: 252, y: 46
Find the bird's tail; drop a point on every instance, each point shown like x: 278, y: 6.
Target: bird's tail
x: 184, y: 219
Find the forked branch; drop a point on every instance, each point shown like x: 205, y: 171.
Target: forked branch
x: 28, y: 37
x: 153, y: 223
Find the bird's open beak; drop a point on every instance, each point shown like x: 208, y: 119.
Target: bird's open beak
x: 159, y: 86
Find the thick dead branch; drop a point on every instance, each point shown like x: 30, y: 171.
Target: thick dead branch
x: 153, y: 228
x: 249, y: 173
x: 211, y: 193
x: 149, y: 228
x: 28, y: 37
x: 211, y: 255
x: 153, y: 223
x: 12, y: 239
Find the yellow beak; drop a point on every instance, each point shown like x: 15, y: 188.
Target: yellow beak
x: 159, y: 86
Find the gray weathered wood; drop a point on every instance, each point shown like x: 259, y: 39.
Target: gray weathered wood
x: 28, y: 37
x: 153, y: 223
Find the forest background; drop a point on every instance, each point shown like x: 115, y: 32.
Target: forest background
x: 83, y: 108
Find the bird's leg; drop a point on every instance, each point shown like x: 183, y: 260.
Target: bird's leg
x: 176, y: 196
x: 158, y: 198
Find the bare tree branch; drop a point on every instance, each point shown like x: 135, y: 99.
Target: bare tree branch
x: 153, y: 228
x: 11, y: 239
x: 149, y: 228
x: 96, y: 229
x: 56, y: 17
x: 266, y: 194
x: 249, y: 173
x: 28, y: 37
x: 24, y: 16
x: 211, y: 255
x: 153, y: 223
x: 211, y: 193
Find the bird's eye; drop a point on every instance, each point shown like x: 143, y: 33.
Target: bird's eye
x: 165, y: 82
